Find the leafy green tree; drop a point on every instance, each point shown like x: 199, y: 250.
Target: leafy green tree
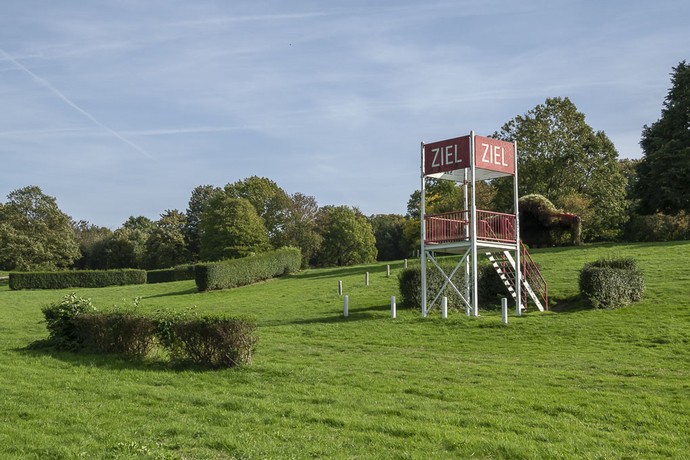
x: 127, y: 247
x: 446, y: 196
x: 628, y: 168
x: 92, y: 240
x: 120, y: 250
x: 347, y: 237
x: 390, y: 239
x: 663, y: 175
x: 141, y: 223
x: 34, y: 233
x: 565, y: 160
x: 441, y: 196
x: 271, y: 202
x: 231, y: 228
x: 166, y: 245
x: 300, y: 229
x: 197, y: 203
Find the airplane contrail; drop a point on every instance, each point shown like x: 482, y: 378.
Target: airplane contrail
x: 45, y: 83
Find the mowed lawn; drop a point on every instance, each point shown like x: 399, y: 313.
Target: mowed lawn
x: 576, y: 383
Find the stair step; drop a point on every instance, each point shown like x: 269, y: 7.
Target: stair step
x: 504, y: 264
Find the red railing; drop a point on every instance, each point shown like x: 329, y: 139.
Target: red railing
x: 447, y: 227
x: 491, y: 226
x: 533, y: 276
x: 455, y: 226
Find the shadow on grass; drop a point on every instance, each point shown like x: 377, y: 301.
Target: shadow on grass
x: 354, y: 314
x: 336, y: 272
x: 43, y: 348
x: 193, y: 290
x: 572, y: 304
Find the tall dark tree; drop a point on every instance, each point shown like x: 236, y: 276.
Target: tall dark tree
x: 166, y: 246
x: 300, y: 229
x: 390, y: 239
x: 92, y: 241
x: 663, y: 175
x: 127, y: 247
x: 562, y: 158
x: 34, y: 233
x: 197, y: 202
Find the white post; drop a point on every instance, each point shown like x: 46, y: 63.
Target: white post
x: 518, y: 246
x: 444, y: 307
x: 393, y: 308
x: 388, y: 271
x: 473, y: 220
x: 422, y: 211
x: 468, y: 311
x: 518, y: 308
x: 340, y: 287
x: 405, y: 263
x: 346, y: 307
x: 366, y: 279
x: 504, y: 310
x: 466, y: 208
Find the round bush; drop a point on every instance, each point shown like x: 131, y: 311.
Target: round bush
x: 59, y: 317
x: 612, y: 283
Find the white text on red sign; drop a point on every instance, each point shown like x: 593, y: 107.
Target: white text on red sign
x: 493, y: 154
x: 447, y: 155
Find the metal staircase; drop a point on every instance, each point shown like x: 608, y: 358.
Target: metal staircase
x: 534, y: 286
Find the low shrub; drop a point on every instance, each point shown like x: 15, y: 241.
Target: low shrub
x: 120, y: 333
x: 168, y: 275
x: 59, y: 318
x: 241, y: 272
x: 209, y: 341
x: 612, y: 283
x: 658, y: 227
x: 491, y: 287
x: 76, y: 278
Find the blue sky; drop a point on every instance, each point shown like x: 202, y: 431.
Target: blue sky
x: 121, y: 108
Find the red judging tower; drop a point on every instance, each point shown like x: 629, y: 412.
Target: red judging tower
x: 470, y: 231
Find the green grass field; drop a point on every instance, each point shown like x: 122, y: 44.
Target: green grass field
x: 576, y: 383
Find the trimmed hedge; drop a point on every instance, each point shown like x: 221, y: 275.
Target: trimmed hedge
x: 209, y: 341
x: 120, y: 333
x: 612, y: 283
x: 168, y: 275
x: 490, y: 286
x: 76, y: 278
x: 248, y: 270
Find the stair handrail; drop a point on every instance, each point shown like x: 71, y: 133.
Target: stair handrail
x: 531, y: 272
x: 533, y: 275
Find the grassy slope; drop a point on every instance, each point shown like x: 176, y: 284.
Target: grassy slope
x: 594, y: 384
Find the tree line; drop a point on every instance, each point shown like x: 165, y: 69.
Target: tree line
x: 249, y: 216
x: 559, y: 157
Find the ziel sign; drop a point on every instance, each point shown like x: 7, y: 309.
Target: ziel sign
x: 494, y: 155
x: 453, y: 154
x: 448, y: 155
